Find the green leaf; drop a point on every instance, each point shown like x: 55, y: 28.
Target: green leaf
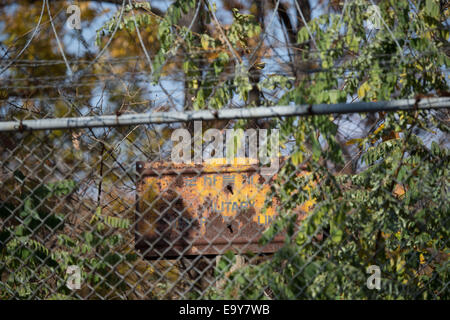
x: 225, y: 263
x: 337, y: 227
x: 303, y: 35
x: 432, y: 8
x: 316, y: 148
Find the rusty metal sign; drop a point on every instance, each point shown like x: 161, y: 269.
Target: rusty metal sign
x: 207, y: 209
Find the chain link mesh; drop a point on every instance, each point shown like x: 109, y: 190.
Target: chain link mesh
x: 358, y: 207
x: 131, y: 221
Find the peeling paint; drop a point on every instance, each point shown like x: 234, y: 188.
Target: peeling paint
x: 203, y: 209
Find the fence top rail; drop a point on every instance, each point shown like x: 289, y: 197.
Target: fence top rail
x: 223, y: 114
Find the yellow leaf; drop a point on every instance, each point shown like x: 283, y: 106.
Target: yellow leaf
x: 400, y: 265
x: 297, y: 158
x: 363, y: 89
x: 205, y: 42
x: 379, y: 128
x: 353, y: 141
x: 422, y: 259
x: 260, y: 65
x: 399, y: 191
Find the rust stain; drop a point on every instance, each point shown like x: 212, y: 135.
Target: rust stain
x: 203, y: 209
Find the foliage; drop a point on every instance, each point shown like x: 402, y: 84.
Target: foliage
x: 33, y: 266
x: 393, y: 212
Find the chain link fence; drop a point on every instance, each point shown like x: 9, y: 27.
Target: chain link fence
x: 105, y: 213
x: 209, y: 189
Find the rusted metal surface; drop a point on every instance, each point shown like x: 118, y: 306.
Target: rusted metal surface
x: 204, y: 209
